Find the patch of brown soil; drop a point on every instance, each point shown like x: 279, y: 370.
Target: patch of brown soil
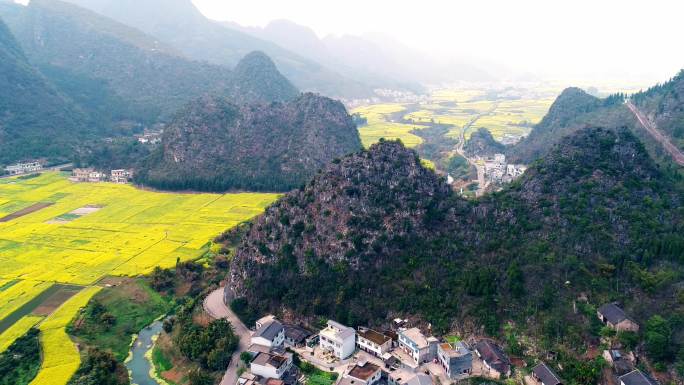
x: 26, y: 211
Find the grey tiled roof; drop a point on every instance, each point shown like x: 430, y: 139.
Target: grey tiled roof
x: 269, y: 330
x: 613, y: 313
x: 546, y: 375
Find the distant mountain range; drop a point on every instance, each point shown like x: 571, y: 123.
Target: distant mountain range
x: 375, y: 59
x: 179, y: 24
x: 113, y: 78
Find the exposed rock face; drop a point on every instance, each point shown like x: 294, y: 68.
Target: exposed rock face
x: 377, y: 233
x: 216, y: 145
x: 482, y: 143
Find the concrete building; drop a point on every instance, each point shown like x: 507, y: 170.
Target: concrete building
x: 24, y: 168
x: 270, y: 333
x: 121, y: 176
x: 373, y: 342
x: 495, y: 361
x: 269, y: 365
x: 616, y: 318
x: 420, y: 348
x: 80, y: 174
x: 363, y: 373
x: 338, y: 339
x: 456, y: 359
x: 543, y: 375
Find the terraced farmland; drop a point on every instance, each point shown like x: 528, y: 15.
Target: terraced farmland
x: 117, y: 230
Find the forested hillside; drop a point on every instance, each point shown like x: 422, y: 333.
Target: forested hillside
x: 377, y: 236
x: 35, y: 118
x: 216, y: 145
x: 664, y: 104
x: 153, y: 79
x: 482, y: 143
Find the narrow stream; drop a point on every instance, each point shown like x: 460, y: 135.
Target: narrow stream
x: 139, y: 367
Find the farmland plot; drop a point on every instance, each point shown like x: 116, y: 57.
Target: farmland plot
x: 83, y: 232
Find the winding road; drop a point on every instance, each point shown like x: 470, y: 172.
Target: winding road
x: 651, y: 128
x: 215, y: 307
x: 481, y: 182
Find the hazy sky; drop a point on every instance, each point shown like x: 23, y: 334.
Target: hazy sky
x: 623, y: 39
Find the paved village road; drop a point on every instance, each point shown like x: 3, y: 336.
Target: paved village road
x: 215, y: 307
x: 657, y: 135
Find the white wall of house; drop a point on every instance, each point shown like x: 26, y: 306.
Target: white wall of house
x: 372, y: 347
x: 341, y: 349
x: 267, y: 371
x: 277, y: 341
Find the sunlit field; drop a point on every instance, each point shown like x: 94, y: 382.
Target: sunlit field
x: 89, y: 231
x: 504, y: 116
x: 380, y: 125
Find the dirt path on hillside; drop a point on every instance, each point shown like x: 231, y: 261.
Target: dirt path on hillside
x: 651, y: 128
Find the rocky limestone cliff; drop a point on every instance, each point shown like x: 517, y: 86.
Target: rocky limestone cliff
x: 216, y: 145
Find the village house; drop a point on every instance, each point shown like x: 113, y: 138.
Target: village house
x: 543, y: 375
x: 636, y: 377
x: 456, y: 359
x: 420, y: 348
x: 270, y: 333
x: 495, y: 361
x: 373, y: 342
x: 87, y: 175
x: 121, y: 176
x: 296, y: 336
x: 338, y: 339
x: 621, y: 362
x: 403, y: 377
x: 24, y: 168
x: 615, y: 318
x: 363, y: 373
x: 268, y: 365
x: 80, y: 174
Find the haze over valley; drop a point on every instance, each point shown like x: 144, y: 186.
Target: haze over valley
x: 200, y: 192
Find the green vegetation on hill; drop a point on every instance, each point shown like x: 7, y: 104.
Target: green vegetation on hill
x: 20, y: 363
x: 271, y: 147
x: 482, y: 143
x: 664, y: 103
x: 36, y: 119
x: 115, y: 314
x: 376, y: 234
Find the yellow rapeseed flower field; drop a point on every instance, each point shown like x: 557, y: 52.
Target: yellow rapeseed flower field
x: 17, y: 330
x: 121, y: 230
x: 60, y: 357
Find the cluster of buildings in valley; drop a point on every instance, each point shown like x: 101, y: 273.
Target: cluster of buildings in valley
x: 24, y: 168
x: 90, y: 175
x: 498, y: 170
x: 405, y: 355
